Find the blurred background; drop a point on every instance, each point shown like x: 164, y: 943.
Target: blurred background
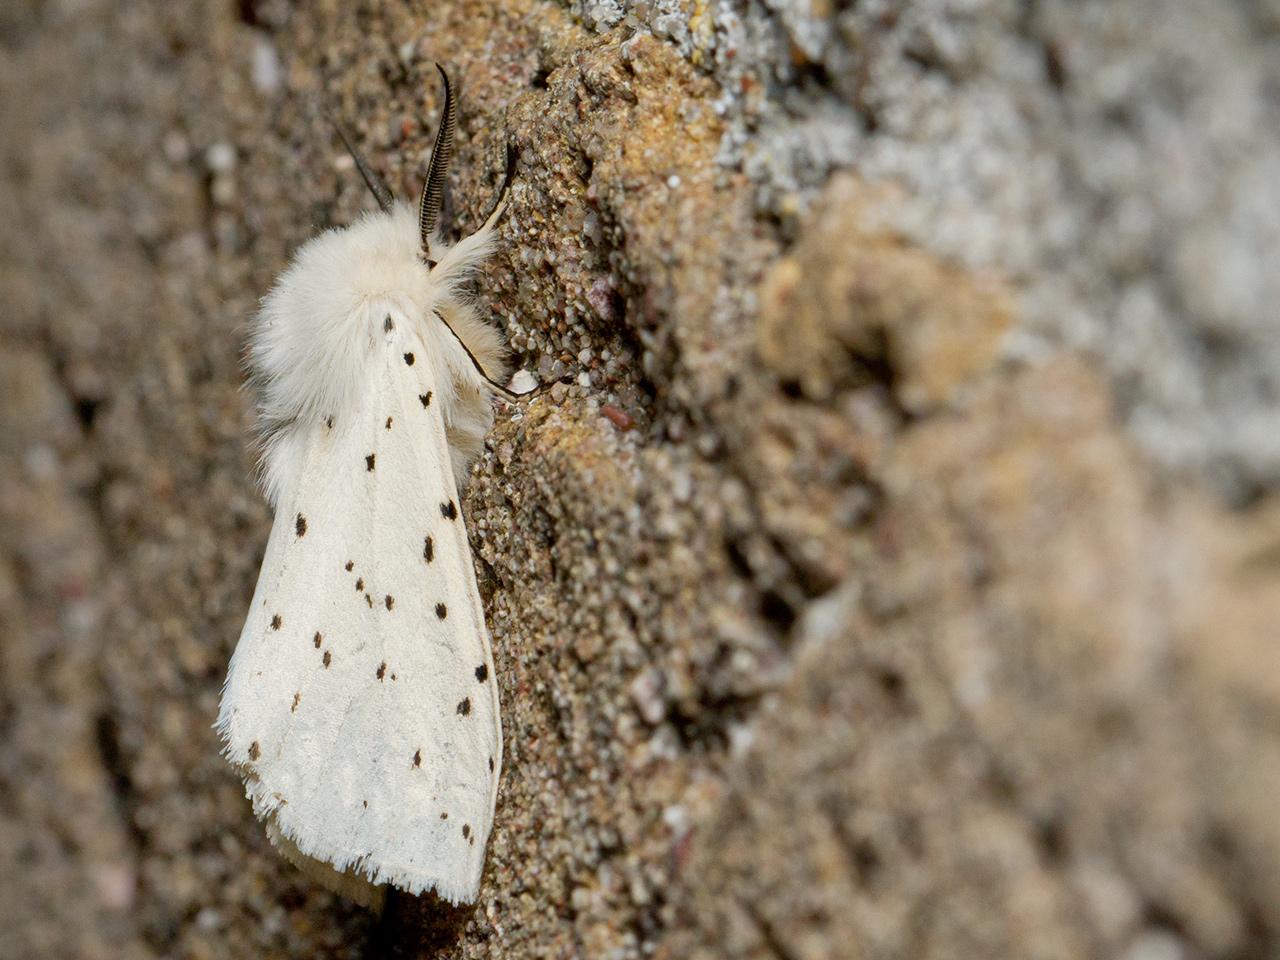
x: 898, y: 576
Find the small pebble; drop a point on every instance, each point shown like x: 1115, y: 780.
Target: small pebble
x: 647, y: 693
x: 116, y: 885
x: 676, y: 818
x: 600, y: 296
x: 617, y: 416
x: 220, y: 157
x: 522, y: 381
x: 265, y: 67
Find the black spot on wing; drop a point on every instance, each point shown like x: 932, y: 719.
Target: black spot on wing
x: 408, y: 359
x: 328, y: 422
x: 276, y: 622
x: 317, y: 639
x: 464, y: 708
x: 328, y: 658
x: 368, y: 598
x: 368, y: 462
x: 466, y: 829
x: 441, y: 611
x: 349, y: 566
x: 360, y: 584
x: 255, y: 751
x: 297, y: 698
x: 382, y: 669
x: 428, y: 550
x: 388, y: 424
x: 425, y: 399
x: 449, y: 510
x: 444, y: 814
x: 387, y: 325
x: 491, y: 764
x: 482, y: 672
x: 300, y: 525
x: 390, y: 601
x: 417, y: 758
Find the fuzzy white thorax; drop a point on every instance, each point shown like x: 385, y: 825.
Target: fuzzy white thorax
x: 314, y: 337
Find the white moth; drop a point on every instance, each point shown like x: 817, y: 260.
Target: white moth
x: 361, y: 706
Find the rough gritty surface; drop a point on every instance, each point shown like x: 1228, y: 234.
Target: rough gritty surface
x: 898, y: 576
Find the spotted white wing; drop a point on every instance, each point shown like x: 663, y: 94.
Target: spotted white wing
x: 361, y: 704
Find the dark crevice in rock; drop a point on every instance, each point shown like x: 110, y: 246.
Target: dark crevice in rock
x: 773, y: 942
x: 116, y: 765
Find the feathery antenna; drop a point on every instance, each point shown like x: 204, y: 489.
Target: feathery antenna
x: 371, y: 179
x: 433, y: 188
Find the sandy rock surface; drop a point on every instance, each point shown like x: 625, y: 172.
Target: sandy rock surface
x: 897, y: 575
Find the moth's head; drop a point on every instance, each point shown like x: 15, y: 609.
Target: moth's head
x: 417, y: 254
x: 432, y: 188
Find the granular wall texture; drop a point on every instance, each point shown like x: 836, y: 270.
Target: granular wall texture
x: 894, y: 574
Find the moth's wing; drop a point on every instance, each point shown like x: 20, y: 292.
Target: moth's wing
x: 361, y: 704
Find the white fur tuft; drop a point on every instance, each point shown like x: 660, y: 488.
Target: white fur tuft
x: 313, y: 338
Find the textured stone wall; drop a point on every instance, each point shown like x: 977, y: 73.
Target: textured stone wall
x: 898, y: 575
